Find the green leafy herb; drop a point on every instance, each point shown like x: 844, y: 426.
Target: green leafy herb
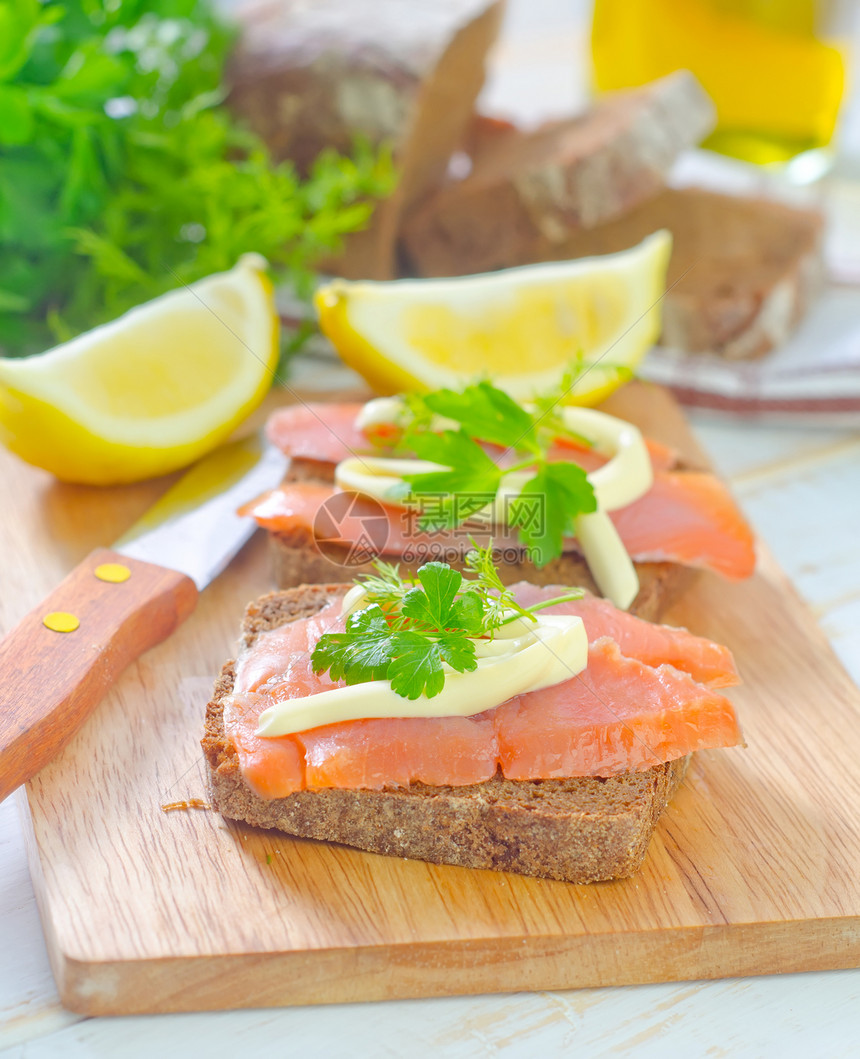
x: 123, y: 175
x: 406, y: 643
x: 490, y: 413
x: 553, y: 493
x: 565, y: 492
x: 411, y: 628
x: 364, y: 652
x: 469, y: 472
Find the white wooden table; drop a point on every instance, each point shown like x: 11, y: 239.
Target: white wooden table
x: 801, y: 490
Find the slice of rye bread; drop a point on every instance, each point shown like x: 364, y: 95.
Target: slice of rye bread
x: 399, y: 74
x: 528, y: 188
x: 577, y: 830
x: 742, y: 274
x: 297, y: 558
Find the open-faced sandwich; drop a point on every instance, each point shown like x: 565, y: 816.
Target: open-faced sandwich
x: 450, y: 718
x: 569, y: 495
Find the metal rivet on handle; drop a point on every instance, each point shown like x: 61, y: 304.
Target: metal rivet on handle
x: 113, y: 572
x: 60, y: 621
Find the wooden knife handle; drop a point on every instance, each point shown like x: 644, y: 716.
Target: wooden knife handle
x: 114, y: 608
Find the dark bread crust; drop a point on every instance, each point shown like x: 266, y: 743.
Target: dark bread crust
x: 297, y: 560
x: 577, y: 830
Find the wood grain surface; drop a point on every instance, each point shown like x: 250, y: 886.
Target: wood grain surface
x: 754, y: 868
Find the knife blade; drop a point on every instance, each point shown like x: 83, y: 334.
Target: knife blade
x: 58, y: 663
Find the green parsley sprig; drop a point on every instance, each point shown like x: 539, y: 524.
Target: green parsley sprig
x: 410, y: 628
x: 484, y: 414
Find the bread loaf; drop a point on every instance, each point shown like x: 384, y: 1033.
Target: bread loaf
x: 404, y: 72
x: 527, y: 191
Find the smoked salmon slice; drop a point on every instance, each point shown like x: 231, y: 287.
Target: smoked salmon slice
x: 618, y: 715
x: 707, y: 662
x: 317, y: 431
x: 273, y: 768
x: 280, y: 655
x: 295, y: 506
x: 370, y: 753
x: 687, y: 517
x: 621, y: 714
x: 377, y: 753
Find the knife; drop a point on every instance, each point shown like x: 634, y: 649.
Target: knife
x: 58, y: 663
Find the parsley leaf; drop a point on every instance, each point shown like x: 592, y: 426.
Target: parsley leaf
x: 432, y: 602
x: 546, y: 508
x: 408, y: 643
x: 417, y: 667
x: 435, y: 606
x: 362, y: 653
x: 441, y: 584
x: 469, y: 613
x: 554, y: 493
x: 487, y: 412
x: 452, y: 448
x: 470, y: 474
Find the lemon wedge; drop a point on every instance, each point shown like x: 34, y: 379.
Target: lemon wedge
x: 522, y: 327
x: 148, y: 392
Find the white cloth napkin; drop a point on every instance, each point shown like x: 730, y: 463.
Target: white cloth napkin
x: 813, y: 379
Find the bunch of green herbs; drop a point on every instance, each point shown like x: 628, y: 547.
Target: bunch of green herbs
x: 123, y: 174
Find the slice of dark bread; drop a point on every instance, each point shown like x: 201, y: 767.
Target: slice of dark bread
x: 577, y: 830
x: 310, y: 76
x: 742, y: 274
x: 298, y: 559
x: 531, y: 188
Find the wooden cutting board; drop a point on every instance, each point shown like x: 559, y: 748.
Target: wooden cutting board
x: 754, y: 868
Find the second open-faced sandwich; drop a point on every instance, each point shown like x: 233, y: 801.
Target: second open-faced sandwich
x: 569, y: 495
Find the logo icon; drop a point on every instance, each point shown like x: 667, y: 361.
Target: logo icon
x: 350, y: 529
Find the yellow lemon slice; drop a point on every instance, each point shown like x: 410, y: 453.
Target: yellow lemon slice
x: 521, y: 327
x: 150, y: 391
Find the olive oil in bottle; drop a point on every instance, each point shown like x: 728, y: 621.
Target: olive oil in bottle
x: 776, y: 82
